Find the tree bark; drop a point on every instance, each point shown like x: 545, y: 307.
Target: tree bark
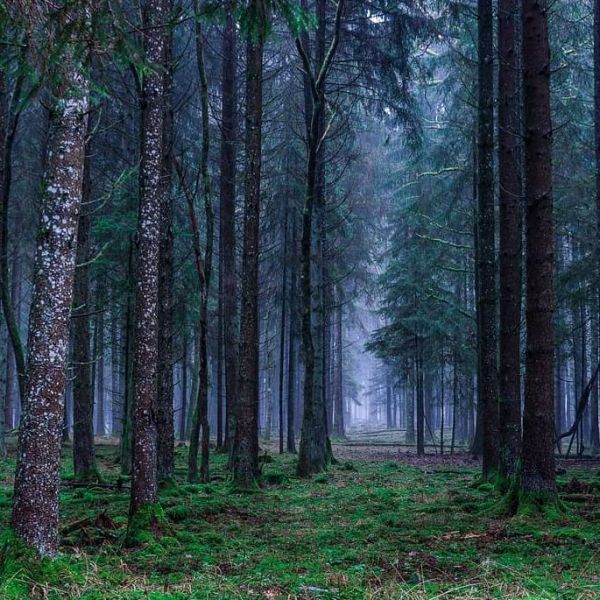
x: 35, y: 510
x: 84, y: 453
x: 292, y: 341
x: 144, y: 484
x: 595, y: 416
x: 538, y: 472
x: 204, y: 269
x: 165, y: 416
x: 488, y: 375
x: 339, y: 425
x: 227, y: 220
x: 245, y: 450
x: 509, y: 166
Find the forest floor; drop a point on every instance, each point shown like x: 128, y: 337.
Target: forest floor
x: 377, y: 525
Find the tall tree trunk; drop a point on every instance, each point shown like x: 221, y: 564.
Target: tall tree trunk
x: 488, y: 375
x: 165, y: 416
x: 35, y: 509
x: 314, y: 444
x: 594, y: 408
x: 99, y: 361
x: 144, y: 483
x: 84, y: 454
x: 204, y: 269
x: 538, y: 473
x: 184, y: 389
x: 509, y: 165
x: 282, y: 323
x: 292, y: 341
x: 128, y: 351
x: 245, y: 451
x: 339, y: 425
x: 9, y: 120
x: 220, y: 355
x: 116, y: 415
x: 227, y: 219
x: 420, y: 400
x: 11, y: 396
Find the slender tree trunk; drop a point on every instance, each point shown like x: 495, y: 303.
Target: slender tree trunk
x: 165, y: 416
x: 488, y: 375
x: 509, y: 125
x: 538, y: 473
x: 314, y: 444
x: 292, y: 341
x: 410, y: 401
x: 99, y: 361
x: 220, y: 355
x: 594, y: 408
x: 35, y: 508
x: 227, y: 219
x: 282, y: 323
x: 9, y: 120
x: 204, y: 269
x: 245, y: 451
x: 340, y: 430
x: 420, y: 400
x: 144, y: 483
x: 129, y: 350
x: 184, y: 389
x: 11, y: 397
x: 84, y: 454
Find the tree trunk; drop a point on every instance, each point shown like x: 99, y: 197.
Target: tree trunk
x: 129, y: 350
x: 9, y: 119
x: 204, y: 269
x: 99, y: 361
x: 165, y: 416
x: 420, y: 399
x: 509, y: 165
x: 594, y: 408
x: 35, y: 509
x: 84, y: 454
x: 339, y: 425
x: 144, y: 483
x: 538, y: 473
x: 245, y: 451
x: 292, y: 341
x: 314, y: 444
x: 227, y: 220
x: 282, y: 323
x: 184, y: 389
x: 488, y: 375
x: 11, y: 397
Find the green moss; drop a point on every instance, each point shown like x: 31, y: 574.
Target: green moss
x: 21, y: 570
x: 385, y: 530
x: 146, y: 525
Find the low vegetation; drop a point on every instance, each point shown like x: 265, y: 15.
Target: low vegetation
x: 394, y: 527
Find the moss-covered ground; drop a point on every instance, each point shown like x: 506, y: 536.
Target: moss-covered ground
x: 369, y: 528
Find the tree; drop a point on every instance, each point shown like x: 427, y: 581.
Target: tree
x: 509, y: 175
x: 84, y: 452
x: 314, y: 444
x: 486, y: 261
x: 594, y: 407
x: 144, y: 488
x: 538, y: 476
x: 204, y: 269
x: 227, y: 167
x: 35, y: 514
x: 165, y: 417
x: 245, y: 448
